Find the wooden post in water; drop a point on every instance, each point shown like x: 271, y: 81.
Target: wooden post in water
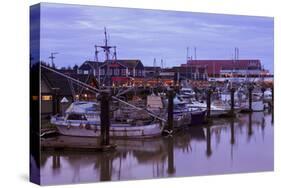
x: 272, y: 98
x: 232, y: 91
x: 209, y: 146
x: 263, y: 90
x: 232, y: 136
x: 58, y: 105
x: 104, y: 117
x: 105, y: 167
x: 272, y: 105
x: 209, y: 95
x: 196, y: 93
x: 171, y: 168
x: 56, y: 161
x: 250, y: 88
x: 55, y: 101
x: 170, y: 109
x: 250, y: 128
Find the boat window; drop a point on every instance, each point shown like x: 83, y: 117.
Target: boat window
x: 76, y: 117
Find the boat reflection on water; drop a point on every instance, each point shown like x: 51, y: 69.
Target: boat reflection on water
x: 229, y: 146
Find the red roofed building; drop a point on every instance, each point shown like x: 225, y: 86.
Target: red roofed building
x: 218, y: 68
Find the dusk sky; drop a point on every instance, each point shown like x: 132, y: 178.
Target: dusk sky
x: 73, y: 30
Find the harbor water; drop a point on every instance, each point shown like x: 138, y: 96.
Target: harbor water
x: 240, y: 145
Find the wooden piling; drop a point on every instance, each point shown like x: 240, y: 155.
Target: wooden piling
x: 56, y: 161
x: 250, y: 89
x: 170, y: 109
x: 208, y: 140
x: 171, y: 167
x: 250, y: 128
x: 104, y: 117
x: 55, y: 101
x: 209, y: 95
x: 272, y: 98
x: 263, y: 90
x: 232, y: 91
x: 105, y: 168
x: 232, y: 136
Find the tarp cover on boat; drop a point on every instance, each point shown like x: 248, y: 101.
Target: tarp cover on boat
x: 154, y: 101
x: 82, y: 107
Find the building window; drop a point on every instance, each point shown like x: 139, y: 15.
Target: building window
x: 86, y: 72
x: 80, y: 71
x: 131, y: 72
x: 116, y: 72
x: 123, y: 72
x: 102, y: 72
x: 46, y: 97
x: 109, y: 72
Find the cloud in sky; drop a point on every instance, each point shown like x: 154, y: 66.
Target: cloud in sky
x: 73, y: 30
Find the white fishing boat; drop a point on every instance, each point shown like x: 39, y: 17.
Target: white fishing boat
x: 83, y: 119
x: 187, y: 115
x: 267, y: 95
x: 216, y: 110
x: 186, y: 93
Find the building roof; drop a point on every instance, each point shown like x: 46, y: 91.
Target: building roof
x: 152, y: 68
x: 90, y: 64
x: 54, y: 80
x: 129, y: 63
x: 215, y: 66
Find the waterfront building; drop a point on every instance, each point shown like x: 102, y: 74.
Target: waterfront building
x: 54, y: 88
x: 113, y: 72
x: 227, y: 68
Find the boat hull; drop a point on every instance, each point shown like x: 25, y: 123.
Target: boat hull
x: 197, y: 118
x: 116, y: 131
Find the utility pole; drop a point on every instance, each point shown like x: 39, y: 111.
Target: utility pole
x: 52, y: 57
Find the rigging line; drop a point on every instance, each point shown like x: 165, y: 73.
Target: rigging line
x: 72, y: 79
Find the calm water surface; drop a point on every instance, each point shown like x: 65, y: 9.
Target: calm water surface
x: 229, y: 146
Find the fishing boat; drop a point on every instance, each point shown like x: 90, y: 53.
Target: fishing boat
x: 82, y: 119
x: 186, y: 114
x: 187, y: 93
x: 216, y: 110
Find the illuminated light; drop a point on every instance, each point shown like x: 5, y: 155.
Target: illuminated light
x: 46, y: 97
x: 35, y: 98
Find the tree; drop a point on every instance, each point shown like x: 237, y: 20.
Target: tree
x: 75, y: 67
